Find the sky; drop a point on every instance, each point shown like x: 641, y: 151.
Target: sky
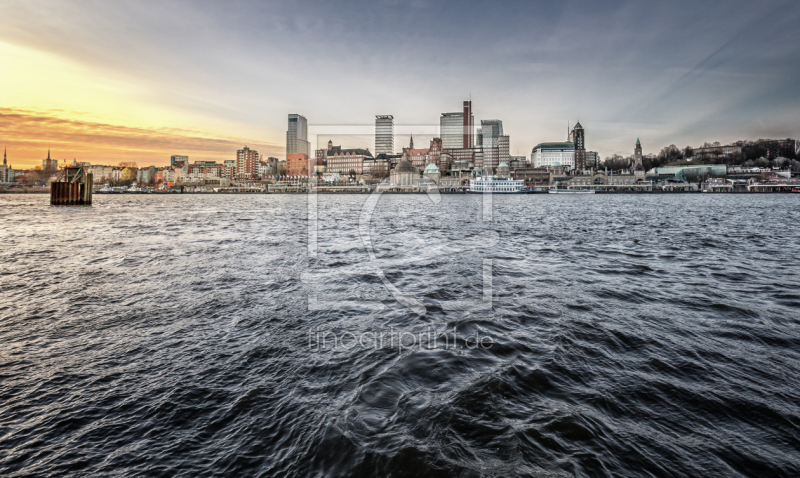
x: 106, y: 82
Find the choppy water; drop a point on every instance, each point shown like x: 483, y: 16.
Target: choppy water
x: 631, y: 335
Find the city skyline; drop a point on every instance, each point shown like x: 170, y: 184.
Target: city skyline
x: 143, y: 82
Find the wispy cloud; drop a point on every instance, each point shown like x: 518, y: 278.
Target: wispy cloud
x: 30, y: 134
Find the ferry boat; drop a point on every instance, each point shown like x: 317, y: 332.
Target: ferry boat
x: 495, y: 185
x: 571, y: 191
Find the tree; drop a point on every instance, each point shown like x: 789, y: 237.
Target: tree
x: 380, y: 171
x: 616, y: 162
x: 688, y: 152
x: 669, y: 154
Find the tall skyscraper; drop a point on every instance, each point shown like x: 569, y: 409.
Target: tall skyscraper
x: 468, y: 121
x: 297, y: 135
x: 451, y: 127
x: 457, y: 129
x: 384, y: 134
x: 577, y: 137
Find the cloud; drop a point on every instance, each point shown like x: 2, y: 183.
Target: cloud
x: 30, y: 134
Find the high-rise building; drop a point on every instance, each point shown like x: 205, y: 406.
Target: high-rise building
x: 229, y: 168
x: 451, y: 127
x: 384, y: 134
x: 577, y: 138
x: 178, y: 159
x: 503, y: 149
x: 246, y: 163
x: 457, y: 129
x: 297, y: 135
x: 468, y: 121
x: 491, y: 132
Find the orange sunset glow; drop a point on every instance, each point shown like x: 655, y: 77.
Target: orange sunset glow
x: 80, y: 112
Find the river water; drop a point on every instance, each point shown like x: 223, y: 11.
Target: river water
x: 405, y: 335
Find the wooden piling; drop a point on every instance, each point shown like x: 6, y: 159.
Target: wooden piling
x: 73, y: 187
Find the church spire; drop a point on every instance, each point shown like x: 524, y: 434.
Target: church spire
x: 4, y: 155
x: 411, y: 143
x: 48, y: 155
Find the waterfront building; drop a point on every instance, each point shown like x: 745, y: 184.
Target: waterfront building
x: 297, y: 164
x: 297, y: 135
x: 686, y: 173
x: 503, y: 171
x: 203, y: 170
x: 420, y: 157
x: 533, y: 177
x: 459, y: 158
x: 577, y: 137
x: 264, y: 169
x: 7, y: 174
x: 554, y: 154
x: 384, y: 134
x: 344, y: 161
x: 102, y: 174
x: 180, y: 172
x: 145, y: 175
x: 176, y: 158
x: 246, y: 163
x: 229, y: 168
x: 403, y: 176
x: 604, y: 180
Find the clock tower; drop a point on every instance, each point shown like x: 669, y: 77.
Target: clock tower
x: 637, y: 152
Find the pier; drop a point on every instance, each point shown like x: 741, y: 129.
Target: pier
x: 73, y: 187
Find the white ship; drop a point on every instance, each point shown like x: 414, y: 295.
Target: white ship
x: 495, y: 185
